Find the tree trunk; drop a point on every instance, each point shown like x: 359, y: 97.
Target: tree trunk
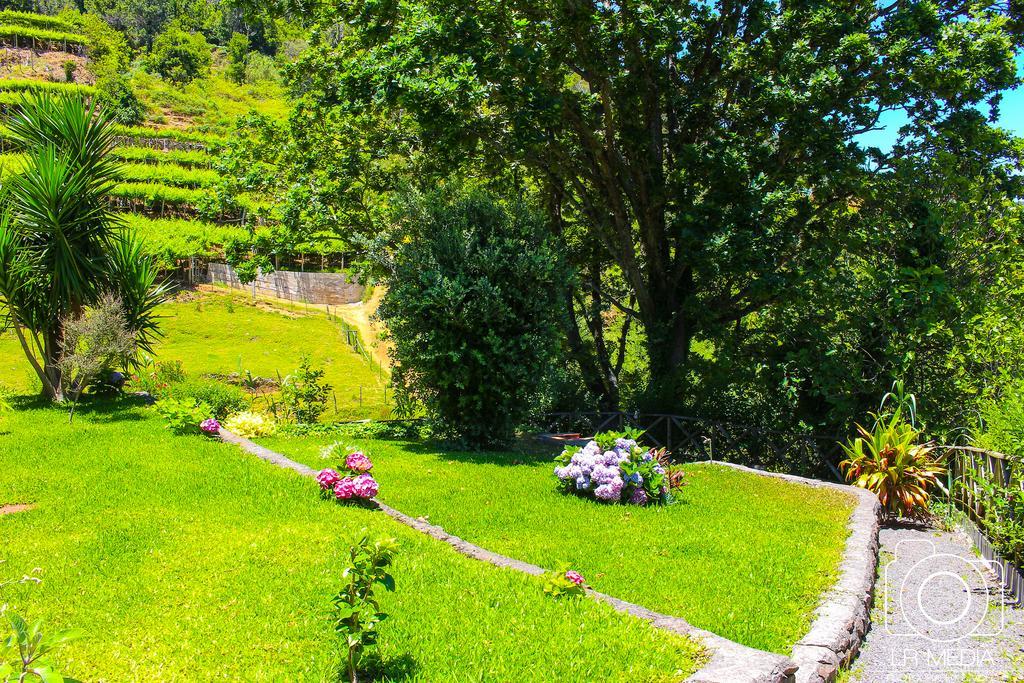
x: 53, y: 387
x: 669, y: 334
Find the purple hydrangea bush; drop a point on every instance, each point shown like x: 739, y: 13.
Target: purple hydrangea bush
x: 614, y: 469
x: 210, y: 426
x: 353, y: 482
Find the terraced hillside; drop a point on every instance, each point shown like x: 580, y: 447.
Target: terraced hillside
x: 171, y: 192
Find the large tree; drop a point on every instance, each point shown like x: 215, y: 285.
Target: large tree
x: 711, y: 149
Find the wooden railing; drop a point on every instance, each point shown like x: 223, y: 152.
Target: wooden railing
x: 965, y: 465
x: 969, y: 471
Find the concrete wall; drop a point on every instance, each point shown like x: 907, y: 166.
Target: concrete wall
x: 314, y: 288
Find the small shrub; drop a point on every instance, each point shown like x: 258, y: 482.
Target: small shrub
x: 619, y: 471
x: 564, y: 583
x: 180, y: 56
x: 95, y: 342
x: 888, y: 461
x: 351, y: 481
x: 472, y: 306
x: 114, y: 95
x: 304, y: 394
x: 238, y: 50
x: 183, y: 416
x: 69, y: 66
x: 357, y: 610
x: 23, y: 649
x: 223, y: 399
x: 250, y: 425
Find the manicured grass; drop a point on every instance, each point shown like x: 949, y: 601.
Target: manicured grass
x: 226, y: 332
x: 741, y: 555
x: 185, y: 559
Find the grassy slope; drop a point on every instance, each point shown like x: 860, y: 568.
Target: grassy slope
x: 743, y: 556
x: 208, y: 334
x: 209, y: 105
x: 185, y: 559
x: 212, y: 335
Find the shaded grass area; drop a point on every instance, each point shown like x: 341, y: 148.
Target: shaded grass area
x: 741, y: 555
x: 183, y: 558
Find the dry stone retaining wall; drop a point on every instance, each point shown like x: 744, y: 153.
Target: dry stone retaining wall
x: 313, y: 288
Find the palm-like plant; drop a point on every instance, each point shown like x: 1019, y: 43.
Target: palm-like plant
x: 888, y: 461
x: 60, y: 249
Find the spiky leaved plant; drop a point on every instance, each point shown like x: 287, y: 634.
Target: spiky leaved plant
x: 60, y: 248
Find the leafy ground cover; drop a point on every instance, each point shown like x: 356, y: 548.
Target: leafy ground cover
x: 183, y: 558
x: 741, y: 555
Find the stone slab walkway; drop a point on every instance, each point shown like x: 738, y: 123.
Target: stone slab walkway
x: 939, y: 615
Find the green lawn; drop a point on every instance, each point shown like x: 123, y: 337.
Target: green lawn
x: 744, y: 556
x: 186, y: 559
x: 224, y: 332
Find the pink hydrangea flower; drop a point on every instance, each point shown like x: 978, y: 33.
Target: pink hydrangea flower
x: 575, y: 577
x: 365, y: 486
x: 344, y: 489
x: 327, y: 478
x: 358, y: 462
x: 210, y: 426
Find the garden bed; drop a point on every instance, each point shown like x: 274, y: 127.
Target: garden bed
x: 743, y: 556
x: 181, y: 560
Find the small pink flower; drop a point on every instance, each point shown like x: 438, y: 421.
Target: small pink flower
x: 365, y: 486
x: 575, y: 577
x: 358, y: 462
x: 344, y: 489
x: 210, y: 426
x: 327, y: 478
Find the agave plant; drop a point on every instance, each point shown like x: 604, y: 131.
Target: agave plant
x: 889, y: 461
x: 61, y: 250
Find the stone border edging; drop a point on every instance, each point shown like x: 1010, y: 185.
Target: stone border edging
x: 842, y: 620
x: 730, y: 662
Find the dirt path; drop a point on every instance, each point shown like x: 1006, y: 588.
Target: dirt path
x: 939, y: 614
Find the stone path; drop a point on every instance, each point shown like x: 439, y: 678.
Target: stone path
x: 939, y: 614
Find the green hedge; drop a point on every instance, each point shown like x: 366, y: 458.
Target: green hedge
x: 25, y: 36
x: 148, y: 155
x: 40, y: 21
x: 170, y: 174
x: 22, y: 85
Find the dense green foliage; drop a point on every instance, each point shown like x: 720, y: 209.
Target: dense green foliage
x: 222, y: 399
x: 225, y: 567
x: 179, y: 55
x: 116, y: 97
x: 703, y: 167
x: 238, y: 50
x: 471, y: 306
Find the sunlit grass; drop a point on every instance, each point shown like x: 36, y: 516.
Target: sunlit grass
x: 186, y: 559
x: 225, y: 332
x: 741, y: 555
